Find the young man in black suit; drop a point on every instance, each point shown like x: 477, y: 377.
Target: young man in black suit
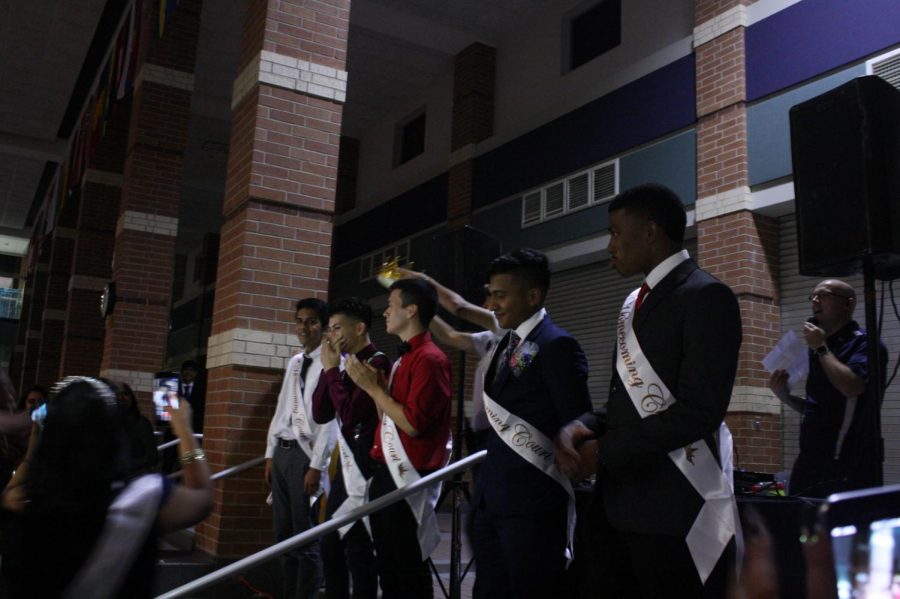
x: 669, y: 508
x: 537, y: 381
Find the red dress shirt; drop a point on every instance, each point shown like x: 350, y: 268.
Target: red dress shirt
x: 422, y: 386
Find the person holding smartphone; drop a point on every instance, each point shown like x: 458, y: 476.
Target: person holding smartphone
x: 85, y: 524
x: 835, y: 434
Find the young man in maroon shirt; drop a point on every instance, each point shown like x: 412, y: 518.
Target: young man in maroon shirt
x: 415, y: 402
x: 338, y: 396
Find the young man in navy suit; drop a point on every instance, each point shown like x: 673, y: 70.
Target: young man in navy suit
x: 537, y: 382
x: 667, y: 510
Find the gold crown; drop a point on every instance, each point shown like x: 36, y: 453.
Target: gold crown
x: 389, y: 273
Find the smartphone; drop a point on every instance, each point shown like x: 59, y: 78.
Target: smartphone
x: 865, y: 541
x: 165, y: 394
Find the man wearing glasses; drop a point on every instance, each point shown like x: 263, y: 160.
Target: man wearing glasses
x: 834, y: 430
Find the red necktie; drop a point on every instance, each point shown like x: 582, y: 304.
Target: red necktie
x: 640, y: 298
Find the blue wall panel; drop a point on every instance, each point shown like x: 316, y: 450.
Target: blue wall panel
x: 644, y: 110
x: 816, y: 36
x: 637, y: 113
x: 671, y: 162
x: 769, y: 130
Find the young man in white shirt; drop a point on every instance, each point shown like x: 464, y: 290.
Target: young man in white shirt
x: 298, y: 451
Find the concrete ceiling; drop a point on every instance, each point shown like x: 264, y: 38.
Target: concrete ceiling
x: 43, y: 44
x: 396, y: 49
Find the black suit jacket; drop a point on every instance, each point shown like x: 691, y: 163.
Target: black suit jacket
x: 689, y: 328
x: 548, y: 393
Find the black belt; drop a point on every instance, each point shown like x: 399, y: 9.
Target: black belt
x: 292, y: 444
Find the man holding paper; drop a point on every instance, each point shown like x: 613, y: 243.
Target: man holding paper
x: 668, y: 511
x: 410, y: 441
x: 536, y: 382
x: 835, y: 432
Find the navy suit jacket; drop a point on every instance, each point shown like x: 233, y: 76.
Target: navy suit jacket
x: 549, y: 393
x: 689, y: 328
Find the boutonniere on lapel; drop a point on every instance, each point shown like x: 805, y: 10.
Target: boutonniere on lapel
x: 523, y: 357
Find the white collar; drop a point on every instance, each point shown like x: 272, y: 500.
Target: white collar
x: 524, y: 329
x: 315, y: 353
x: 661, y: 270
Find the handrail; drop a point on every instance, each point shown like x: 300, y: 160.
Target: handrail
x: 324, y: 528
x: 174, y: 442
x: 228, y: 471
x: 239, y: 468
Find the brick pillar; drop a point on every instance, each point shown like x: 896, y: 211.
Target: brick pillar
x: 733, y: 243
x: 147, y: 223
x: 275, y: 242
x: 54, y: 314
x: 33, y: 322
x: 473, y: 121
x: 101, y: 189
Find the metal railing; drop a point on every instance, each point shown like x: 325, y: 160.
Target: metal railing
x: 324, y: 528
x: 237, y: 469
x: 174, y: 442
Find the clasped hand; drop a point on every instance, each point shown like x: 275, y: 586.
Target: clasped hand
x: 576, y: 450
x: 366, y: 376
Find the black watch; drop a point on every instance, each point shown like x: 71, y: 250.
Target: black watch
x: 822, y: 350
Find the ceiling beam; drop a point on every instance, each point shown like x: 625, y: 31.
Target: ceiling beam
x: 410, y: 28
x: 30, y: 147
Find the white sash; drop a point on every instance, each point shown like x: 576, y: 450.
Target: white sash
x: 355, y: 484
x: 300, y: 420
x: 537, y: 449
x: 128, y: 522
x: 403, y: 473
x: 717, y: 520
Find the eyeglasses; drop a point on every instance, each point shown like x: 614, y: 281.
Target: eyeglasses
x: 819, y: 295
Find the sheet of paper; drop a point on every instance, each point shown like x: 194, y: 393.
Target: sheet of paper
x: 791, y: 354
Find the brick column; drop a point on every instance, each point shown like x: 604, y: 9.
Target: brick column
x: 275, y: 242
x: 33, y: 321
x: 147, y: 223
x: 101, y: 189
x: 54, y: 313
x: 473, y: 121
x: 733, y: 243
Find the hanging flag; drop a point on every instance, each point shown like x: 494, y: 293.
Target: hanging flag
x: 166, y: 8
x: 127, y: 67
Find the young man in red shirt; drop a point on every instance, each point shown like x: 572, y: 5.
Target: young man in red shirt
x: 414, y: 409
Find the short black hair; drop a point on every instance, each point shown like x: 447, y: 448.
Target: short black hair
x: 529, y: 265
x: 420, y: 293
x: 352, y: 307
x: 314, y: 303
x: 190, y: 364
x: 37, y: 389
x: 656, y: 203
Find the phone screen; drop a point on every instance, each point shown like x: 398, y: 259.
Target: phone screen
x: 865, y: 544
x: 866, y: 559
x: 165, y: 393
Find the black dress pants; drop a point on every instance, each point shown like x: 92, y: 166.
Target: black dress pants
x: 402, y: 571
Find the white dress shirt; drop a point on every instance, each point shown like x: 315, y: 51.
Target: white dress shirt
x: 324, y: 435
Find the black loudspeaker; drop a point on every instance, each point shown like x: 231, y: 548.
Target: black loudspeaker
x: 460, y: 259
x: 845, y: 146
